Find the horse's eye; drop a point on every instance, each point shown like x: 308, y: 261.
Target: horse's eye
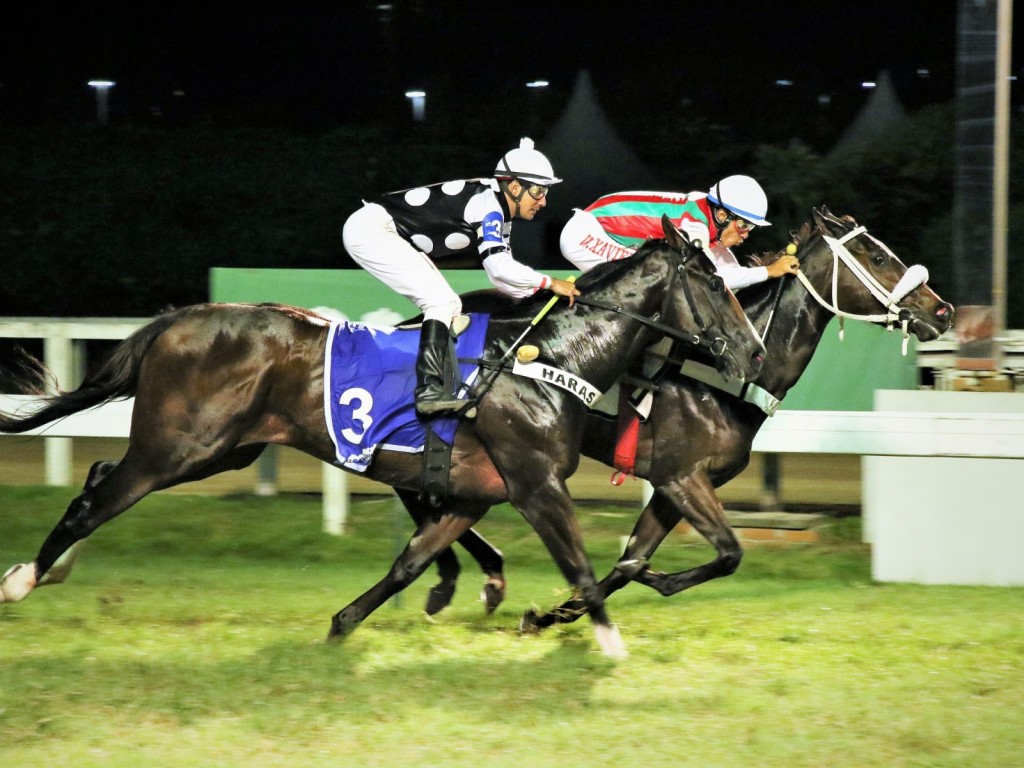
x: 717, y: 284
x: 878, y: 259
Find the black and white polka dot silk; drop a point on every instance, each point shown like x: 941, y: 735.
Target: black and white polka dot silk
x: 450, y: 218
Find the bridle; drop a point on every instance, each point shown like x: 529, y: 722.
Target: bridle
x: 914, y: 277
x: 715, y: 346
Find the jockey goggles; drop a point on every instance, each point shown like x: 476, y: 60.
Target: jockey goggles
x: 536, y: 191
x: 742, y: 225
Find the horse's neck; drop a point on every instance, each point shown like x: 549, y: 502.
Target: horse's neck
x: 603, y: 347
x: 602, y: 350
x: 795, y: 330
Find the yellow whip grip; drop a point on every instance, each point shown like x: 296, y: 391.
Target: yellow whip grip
x: 550, y: 304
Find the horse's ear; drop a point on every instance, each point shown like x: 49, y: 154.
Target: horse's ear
x: 673, y: 236
x: 824, y: 220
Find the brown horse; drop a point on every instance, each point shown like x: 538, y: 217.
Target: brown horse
x: 214, y: 384
x: 699, y: 437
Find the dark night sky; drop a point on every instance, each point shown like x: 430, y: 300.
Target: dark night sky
x: 337, y: 57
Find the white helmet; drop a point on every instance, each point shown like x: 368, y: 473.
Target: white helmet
x: 742, y: 196
x: 526, y: 163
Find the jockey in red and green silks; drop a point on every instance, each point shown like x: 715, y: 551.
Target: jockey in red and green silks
x: 615, y: 225
x: 630, y: 218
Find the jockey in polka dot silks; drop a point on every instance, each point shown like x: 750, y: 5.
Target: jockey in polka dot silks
x: 615, y: 225
x: 398, y: 237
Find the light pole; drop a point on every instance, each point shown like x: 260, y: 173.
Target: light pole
x: 419, y: 104
x: 102, y: 86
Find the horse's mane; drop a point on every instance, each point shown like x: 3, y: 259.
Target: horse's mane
x: 297, y: 313
x: 805, y: 232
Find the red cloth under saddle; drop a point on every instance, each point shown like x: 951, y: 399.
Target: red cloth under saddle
x: 628, y: 427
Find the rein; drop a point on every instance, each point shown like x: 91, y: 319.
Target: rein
x: 771, y: 314
x: 715, y: 346
x: 914, y: 277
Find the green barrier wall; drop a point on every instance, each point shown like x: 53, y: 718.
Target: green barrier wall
x: 351, y: 292
x: 842, y: 376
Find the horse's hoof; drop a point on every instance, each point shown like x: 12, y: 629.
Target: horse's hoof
x: 610, y: 641
x: 529, y: 623
x: 19, y: 580
x: 439, y: 598
x: 341, y: 627
x: 336, y: 636
x: 493, y: 594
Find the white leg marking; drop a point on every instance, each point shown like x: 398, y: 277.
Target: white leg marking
x: 59, y: 571
x: 611, y: 642
x: 17, y: 582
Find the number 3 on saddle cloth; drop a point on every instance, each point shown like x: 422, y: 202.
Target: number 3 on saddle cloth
x: 368, y: 392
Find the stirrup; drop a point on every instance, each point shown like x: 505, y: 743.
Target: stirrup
x: 432, y: 408
x: 438, y: 406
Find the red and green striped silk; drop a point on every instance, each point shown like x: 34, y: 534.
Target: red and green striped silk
x: 630, y: 218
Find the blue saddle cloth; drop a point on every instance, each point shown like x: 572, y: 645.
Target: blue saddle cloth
x: 368, y: 394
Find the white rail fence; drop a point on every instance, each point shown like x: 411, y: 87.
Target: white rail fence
x: 941, y: 470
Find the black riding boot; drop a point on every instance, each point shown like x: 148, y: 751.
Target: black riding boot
x: 433, y: 390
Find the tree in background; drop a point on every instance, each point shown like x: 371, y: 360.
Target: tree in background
x: 128, y: 220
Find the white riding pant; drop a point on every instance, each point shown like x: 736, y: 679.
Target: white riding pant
x: 373, y: 242
x: 585, y: 243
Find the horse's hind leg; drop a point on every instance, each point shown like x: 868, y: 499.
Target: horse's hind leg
x: 448, y: 568
x: 490, y: 560
x: 110, y: 489
x: 61, y: 569
x: 432, y: 537
x: 109, y: 497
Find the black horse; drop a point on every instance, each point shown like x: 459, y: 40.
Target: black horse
x: 698, y: 437
x: 214, y: 384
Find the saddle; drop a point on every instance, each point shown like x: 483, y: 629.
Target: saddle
x: 369, y: 385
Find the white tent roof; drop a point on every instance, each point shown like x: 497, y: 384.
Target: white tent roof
x: 876, y: 117
x: 589, y: 155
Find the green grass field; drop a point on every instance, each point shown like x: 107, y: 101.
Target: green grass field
x: 191, y: 633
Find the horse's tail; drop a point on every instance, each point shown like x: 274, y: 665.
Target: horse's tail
x: 116, y: 379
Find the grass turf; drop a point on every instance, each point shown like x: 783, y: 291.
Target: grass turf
x: 192, y: 631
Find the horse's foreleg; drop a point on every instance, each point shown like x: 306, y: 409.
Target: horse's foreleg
x: 431, y: 538
x: 550, y: 511
x: 658, y: 518
x: 700, y: 506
